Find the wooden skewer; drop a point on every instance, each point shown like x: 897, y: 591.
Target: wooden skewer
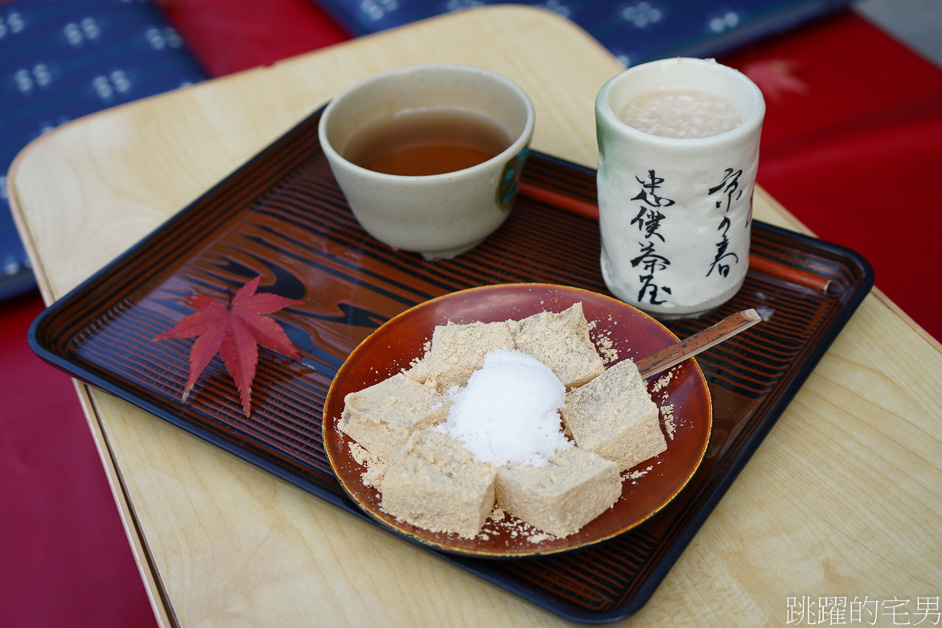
x: 697, y: 343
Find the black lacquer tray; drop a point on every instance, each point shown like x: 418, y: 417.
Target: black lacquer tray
x: 282, y: 216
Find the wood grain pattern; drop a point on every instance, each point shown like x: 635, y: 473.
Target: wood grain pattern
x: 842, y: 498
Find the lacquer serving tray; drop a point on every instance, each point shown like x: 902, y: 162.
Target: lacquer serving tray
x: 282, y: 216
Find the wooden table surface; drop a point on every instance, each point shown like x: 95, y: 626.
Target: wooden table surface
x: 843, y: 498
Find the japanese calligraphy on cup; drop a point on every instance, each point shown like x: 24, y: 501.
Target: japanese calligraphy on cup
x: 675, y: 199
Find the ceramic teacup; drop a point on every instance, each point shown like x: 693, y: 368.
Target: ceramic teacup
x: 442, y: 214
x: 675, y: 206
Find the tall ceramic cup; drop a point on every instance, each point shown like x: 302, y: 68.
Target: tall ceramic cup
x: 675, y: 212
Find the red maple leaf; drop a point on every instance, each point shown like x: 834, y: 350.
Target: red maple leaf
x: 234, y: 330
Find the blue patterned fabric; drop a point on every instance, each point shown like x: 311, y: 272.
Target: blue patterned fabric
x: 633, y: 31
x: 63, y: 59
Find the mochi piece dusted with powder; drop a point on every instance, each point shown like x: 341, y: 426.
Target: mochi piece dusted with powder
x: 380, y: 418
x: 615, y: 417
x: 560, y: 341
x: 572, y: 489
x: 458, y: 350
x: 436, y: 484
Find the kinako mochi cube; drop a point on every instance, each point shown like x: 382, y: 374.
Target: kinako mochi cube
x: 614, y: 416
x: 572, y: 489
x: 436, y: 484
x: 459, y: 350
x: 560, y: 341
x: 380, y: 418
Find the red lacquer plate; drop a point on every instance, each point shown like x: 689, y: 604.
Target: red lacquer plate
x: 646, y: 489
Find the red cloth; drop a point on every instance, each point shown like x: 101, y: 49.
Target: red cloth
x: 64, y: 556
x: 852, y: 144
x: 231, y: 35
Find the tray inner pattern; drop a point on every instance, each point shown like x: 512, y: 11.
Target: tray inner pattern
x: 283, y: 217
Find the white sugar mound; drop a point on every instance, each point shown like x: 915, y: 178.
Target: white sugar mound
x: 509, y: 411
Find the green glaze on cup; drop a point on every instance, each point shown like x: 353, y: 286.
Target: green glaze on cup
x: 510, y: 179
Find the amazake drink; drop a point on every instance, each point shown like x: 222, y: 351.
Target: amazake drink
x: 681, y: 112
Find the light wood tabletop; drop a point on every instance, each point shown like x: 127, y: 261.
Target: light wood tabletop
x: 842, y: 499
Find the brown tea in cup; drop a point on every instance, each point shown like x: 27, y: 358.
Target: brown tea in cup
x: 427, y: 141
